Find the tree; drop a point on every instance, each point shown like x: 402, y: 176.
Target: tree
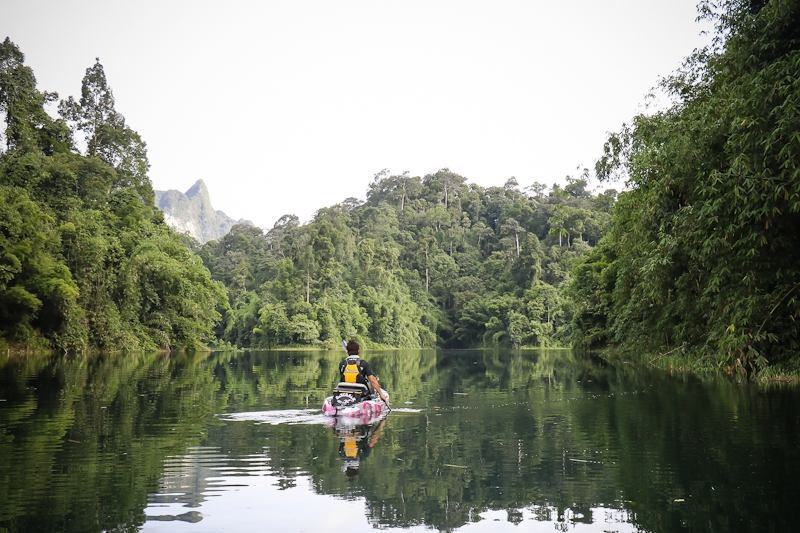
x: 94, y: 111
x: 511, y: 227
x: 28, y: 126
x: 85, y: 258
x: 703, y: 247
x: 106, y: 134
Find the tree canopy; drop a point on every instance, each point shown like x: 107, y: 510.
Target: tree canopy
x: 702, y: 253
x: 88, y: 261
x: 85, y: 257
x: 424, y: 260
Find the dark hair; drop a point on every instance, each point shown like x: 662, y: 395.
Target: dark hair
x: 353, y: 348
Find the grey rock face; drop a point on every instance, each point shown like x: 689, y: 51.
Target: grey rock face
x: 191, y: 212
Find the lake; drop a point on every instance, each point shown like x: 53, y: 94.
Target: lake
x: 478, y: 441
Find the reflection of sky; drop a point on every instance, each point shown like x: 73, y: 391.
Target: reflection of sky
x: 206, y: 490
x: 605, y: 520
x: 260, y: 505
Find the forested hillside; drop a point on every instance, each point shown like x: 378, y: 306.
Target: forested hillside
x: 697, y: 259
x: 423, y: 261
x: 85, y: 257
x: 702, y: 260
x: 87, y: 260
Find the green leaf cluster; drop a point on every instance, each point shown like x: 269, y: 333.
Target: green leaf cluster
x: 85, y: 258
x: 702, y: 255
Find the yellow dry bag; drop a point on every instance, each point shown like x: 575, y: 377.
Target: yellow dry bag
x: 351, y: 371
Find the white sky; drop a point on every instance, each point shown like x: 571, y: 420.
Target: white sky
x: 289, y: 106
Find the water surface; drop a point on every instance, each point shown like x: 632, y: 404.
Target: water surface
x: 478, y: 441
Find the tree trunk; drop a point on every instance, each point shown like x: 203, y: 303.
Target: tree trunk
x: 516, y: 240
x: 427, y: 276
x: 308, y: 287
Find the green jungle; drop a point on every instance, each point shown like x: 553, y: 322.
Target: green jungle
x: 694, y: 265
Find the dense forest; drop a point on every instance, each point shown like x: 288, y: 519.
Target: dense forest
x: 422, y: 261
x: 696, y: 259
x: 88, y: 262
x: 85, y: 258
x: 701, y: 261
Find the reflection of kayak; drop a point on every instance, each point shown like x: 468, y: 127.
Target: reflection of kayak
x: 347, y: 423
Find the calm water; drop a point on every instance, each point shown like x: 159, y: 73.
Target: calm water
x: 478, y: 441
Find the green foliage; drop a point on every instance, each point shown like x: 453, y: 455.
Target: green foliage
x: 36, y: 290
x: 423, y: 260
x: 702, y: 254
x: 85, y: 258
x: 106, y: 134
x: 169, y: 292
x: 28, y: 126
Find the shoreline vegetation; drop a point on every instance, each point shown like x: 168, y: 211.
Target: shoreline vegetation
x: 695, y: 262
x: 771, y: 377
x: 704, y: 368
x: 699, y: 266
x: 672, y: 363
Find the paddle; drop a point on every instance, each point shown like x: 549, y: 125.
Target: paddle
x: 344, y: 345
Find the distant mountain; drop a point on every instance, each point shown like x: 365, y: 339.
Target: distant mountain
x: 191, y: 212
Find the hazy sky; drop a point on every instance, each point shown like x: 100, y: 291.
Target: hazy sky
x: 289, y: 106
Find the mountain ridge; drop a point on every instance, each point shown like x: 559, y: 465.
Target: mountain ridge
x: 191, y: 212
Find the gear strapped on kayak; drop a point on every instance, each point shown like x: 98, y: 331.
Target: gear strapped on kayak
x: 347, y: 394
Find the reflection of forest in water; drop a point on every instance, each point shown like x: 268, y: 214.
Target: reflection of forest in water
x: 86, y: 444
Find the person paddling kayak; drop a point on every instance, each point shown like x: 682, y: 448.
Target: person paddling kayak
x: 353, y: 369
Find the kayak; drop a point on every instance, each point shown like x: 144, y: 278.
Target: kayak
x: 368, y: 408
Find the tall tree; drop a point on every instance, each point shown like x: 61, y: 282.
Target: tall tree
x: 28, y: 126
x: 105, y: 132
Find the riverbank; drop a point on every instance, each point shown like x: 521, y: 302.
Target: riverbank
x: 779, y: 374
